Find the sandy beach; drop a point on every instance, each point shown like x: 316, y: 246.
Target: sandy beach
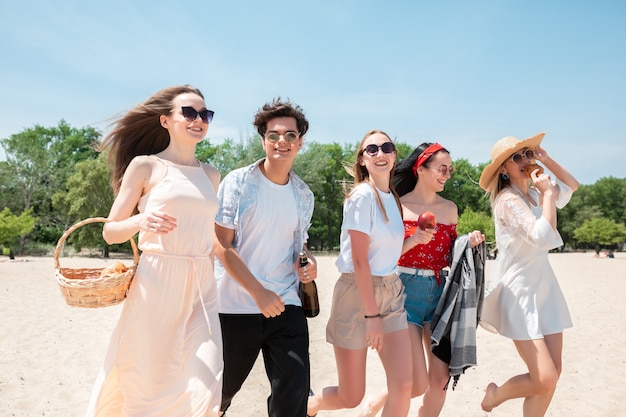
x: 51, y: 353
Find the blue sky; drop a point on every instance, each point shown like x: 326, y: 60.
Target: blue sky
x: 461, y: 73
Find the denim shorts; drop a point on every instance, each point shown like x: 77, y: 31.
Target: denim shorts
x: 422, y: 295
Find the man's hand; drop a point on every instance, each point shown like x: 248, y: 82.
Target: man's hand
x: 270, y: 303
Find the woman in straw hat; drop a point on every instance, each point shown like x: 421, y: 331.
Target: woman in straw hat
x: 526, y: 304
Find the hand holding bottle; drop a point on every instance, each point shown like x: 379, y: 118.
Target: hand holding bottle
x: 308, y: 289
x: 307, y: 269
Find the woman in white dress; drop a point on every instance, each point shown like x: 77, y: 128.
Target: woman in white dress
x: 526, y: 303
x: 165, y: 354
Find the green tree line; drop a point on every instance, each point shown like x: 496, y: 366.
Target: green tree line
x: 53, y: 177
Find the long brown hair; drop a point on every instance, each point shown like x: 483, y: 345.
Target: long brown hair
x: 139, y: 131
x: 361, y: 174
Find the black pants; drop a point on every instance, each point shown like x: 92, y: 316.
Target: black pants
x: 284, y: 341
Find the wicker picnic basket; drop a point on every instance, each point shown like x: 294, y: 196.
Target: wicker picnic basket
x: 84, y: 287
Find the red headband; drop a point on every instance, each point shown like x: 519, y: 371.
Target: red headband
x: 423, y: 157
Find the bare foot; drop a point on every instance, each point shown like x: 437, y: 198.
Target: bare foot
x: 366, y: 411
x: 489, y: 402
x: 369, y: 409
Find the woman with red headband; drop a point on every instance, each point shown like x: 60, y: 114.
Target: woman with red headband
x: 425, y: 253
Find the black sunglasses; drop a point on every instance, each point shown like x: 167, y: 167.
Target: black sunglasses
x: 190, y: 114
x: 519, y: 157
x: 372, y: 149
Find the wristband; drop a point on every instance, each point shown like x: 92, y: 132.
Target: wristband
x: 375, y: 316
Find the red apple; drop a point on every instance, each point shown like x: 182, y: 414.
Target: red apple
x: 426, y: 220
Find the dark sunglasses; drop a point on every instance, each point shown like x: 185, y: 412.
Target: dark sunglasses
x: 190, y: 114
x: 372, y: 149
x: 519, y: 157
x: 290, y: 137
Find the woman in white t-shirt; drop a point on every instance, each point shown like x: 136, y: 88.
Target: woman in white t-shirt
x: 368, y: 301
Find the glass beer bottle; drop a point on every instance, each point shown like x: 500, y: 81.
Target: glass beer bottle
x: 308, y: 292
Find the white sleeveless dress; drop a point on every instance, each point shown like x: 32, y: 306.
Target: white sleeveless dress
x: 165, y: 355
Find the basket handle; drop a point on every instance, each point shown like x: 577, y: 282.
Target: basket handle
x: 57, y: 250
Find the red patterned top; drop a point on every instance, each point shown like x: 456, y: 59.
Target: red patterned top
x: 435, y: 255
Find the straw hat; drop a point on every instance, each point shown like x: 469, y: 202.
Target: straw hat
x: 502, y: 150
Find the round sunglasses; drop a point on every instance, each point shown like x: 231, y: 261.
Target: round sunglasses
x: 442, y: 169
x: 372, y: 149
x: 290, y: 137
x: 519, y: 157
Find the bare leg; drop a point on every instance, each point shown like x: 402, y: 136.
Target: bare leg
x: 396, y: 359
x: 420, y: 376
x: 438, y: 376
x: 538, y: 404
x: 420, y: 371
x: 350, y: 386
x: 543, y: 359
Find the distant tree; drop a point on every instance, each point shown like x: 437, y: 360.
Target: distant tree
x: 9, y: 188
x: 205, y: 150
x: 88, y: 191
x: 606, y: 198
x: 231, y: 155
x: 403, y: 150
x: 39, y: 161
x: 463, y: 188
x: 582, y: 207
x: 321, y: 167
x: 471, y: 220
x: 87, y: 194
x: 601, y: 232
x: 12, y: 226
x: 609, y: 193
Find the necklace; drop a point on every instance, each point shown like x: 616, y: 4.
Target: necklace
x: 526, y: 197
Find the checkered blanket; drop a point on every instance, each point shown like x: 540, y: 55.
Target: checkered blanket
x: 458, y: 311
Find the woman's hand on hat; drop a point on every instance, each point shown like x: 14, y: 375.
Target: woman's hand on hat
x: 540, y: 153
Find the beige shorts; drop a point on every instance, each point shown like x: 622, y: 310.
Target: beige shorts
x: 346, y: 325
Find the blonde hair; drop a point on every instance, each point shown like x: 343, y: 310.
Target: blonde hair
x: 496, y: 184
x: 361, y: 174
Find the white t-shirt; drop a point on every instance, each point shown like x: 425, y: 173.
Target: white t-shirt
x: 361, y: 213
x: 268, y: 250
